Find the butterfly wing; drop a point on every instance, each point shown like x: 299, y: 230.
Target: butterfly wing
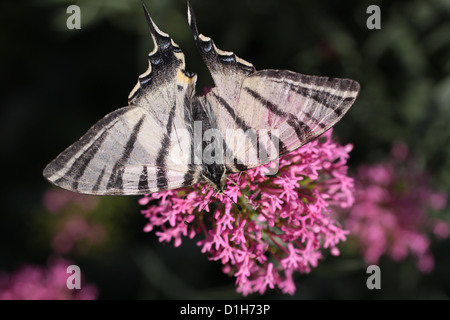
x: 227, y: 70
x: 266, y: 114
x: 277, y: 112
x: 296, y: 108
x: 145, y: 147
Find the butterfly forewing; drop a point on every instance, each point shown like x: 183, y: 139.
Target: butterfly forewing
x: 279, y: 111
x: 296, y: 107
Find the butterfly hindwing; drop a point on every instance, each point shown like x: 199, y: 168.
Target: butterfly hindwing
x: 227, y: 70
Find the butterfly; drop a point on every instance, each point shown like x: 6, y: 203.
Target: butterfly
x: 168, y: 137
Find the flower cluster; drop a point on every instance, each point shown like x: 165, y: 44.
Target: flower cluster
x: 390, y: 215
x: 75, y: 230
x: 56, y: 199
x: 38, y: 283
x: 264, y: 228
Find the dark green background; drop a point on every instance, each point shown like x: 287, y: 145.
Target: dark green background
x: 55, y: 83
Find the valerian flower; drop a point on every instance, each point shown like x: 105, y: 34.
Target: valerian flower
x: 43, y: 283
x: 75, y: 229
x: 391, y: 211
x: 265, y: 228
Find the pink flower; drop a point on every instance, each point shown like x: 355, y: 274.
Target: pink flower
x: 76, y: 231
x: 284, y: 225
x: 55, y: 200
x: 390, y: 215
x: 40, y: 283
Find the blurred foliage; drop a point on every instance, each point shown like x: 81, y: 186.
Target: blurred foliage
x: 55, y: 83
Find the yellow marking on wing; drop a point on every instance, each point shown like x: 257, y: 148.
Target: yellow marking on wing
x: 183, y: 79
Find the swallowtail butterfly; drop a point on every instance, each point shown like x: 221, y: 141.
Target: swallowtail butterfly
x: 158, y: 141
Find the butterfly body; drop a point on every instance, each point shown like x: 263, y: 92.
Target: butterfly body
x: 168, y: 138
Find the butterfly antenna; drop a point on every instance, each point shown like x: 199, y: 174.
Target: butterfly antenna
x: 238, y: 206
x: 191, y: 21
x: 239, y: 178
x: 232, y: 182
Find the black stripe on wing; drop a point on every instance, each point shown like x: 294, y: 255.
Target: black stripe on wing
x: 329, y: 92
x: 301, y: 128
x: 328, y: 82
x: 79, y: 166
x: 161, y: 173
x: 143, y: 179
x: 239, y: 121
x: 116, y: 178
x: 61, y: 160
x: 334, y: 94
x: 99, y: 181
x: 252, y: 133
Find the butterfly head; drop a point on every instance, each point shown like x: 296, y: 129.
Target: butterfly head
x: 215, y: 175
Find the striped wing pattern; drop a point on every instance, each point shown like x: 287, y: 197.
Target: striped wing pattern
x: 299, y: 108
x: 292, y: 108
x: 149, y: 145
x: 141, y: 148
x: 288, y: 110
